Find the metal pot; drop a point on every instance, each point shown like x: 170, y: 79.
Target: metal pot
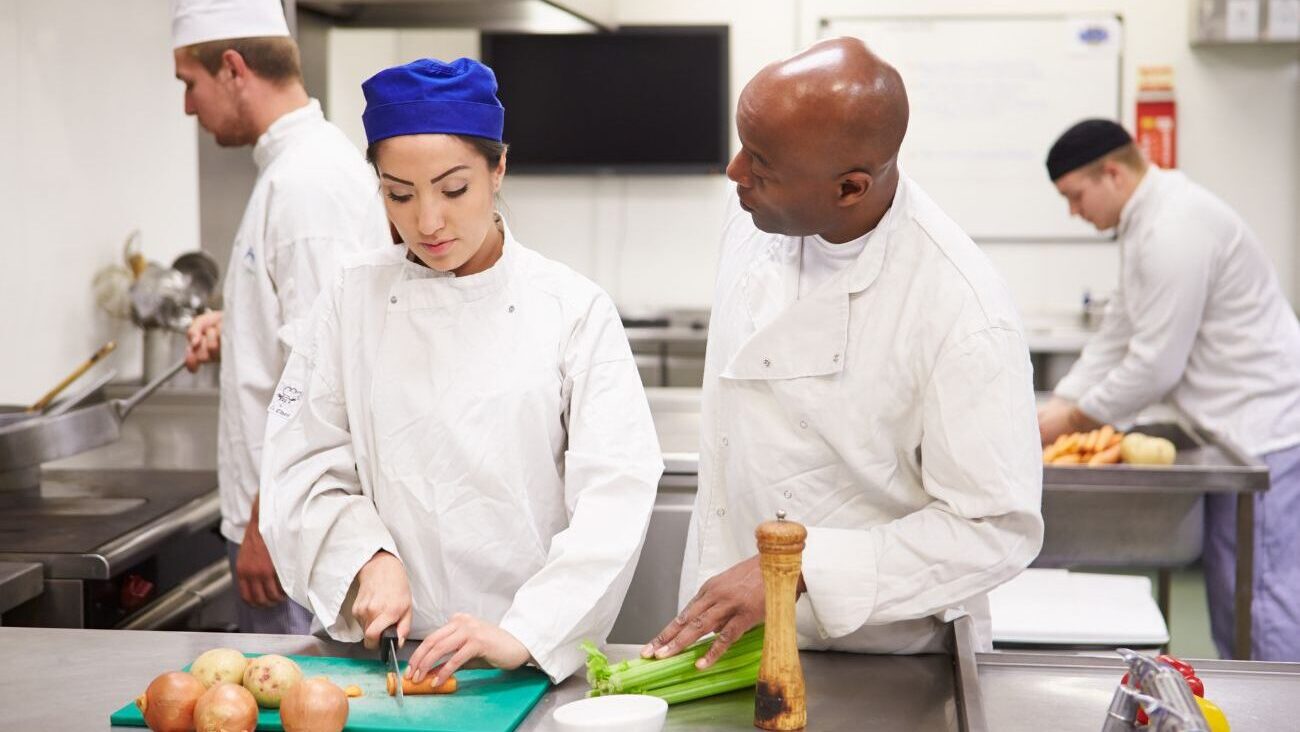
x: 11, y: 413
x: 26, y: 444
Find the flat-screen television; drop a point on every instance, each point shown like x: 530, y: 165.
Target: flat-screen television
x: 638, y: 100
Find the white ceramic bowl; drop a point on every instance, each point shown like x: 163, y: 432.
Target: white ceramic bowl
x: 621, y: 712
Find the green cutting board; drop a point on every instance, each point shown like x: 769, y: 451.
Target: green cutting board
x: 486, y: 700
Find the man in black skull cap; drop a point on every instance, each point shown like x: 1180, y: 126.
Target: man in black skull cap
x: 1198, y: 318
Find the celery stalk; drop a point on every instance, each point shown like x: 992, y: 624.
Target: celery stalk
x: 676, y: 678
x: 707, y: 686
x: 726, y: 664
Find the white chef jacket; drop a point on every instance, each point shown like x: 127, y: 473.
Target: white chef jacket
x: 315, y: 201
x: 1198, y: 316
x: 491, y: 431
x: 890, y: 411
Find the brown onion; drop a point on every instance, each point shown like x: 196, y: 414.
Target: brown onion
x: 226, y: 707
x: 168, y: 703
x: 269, y: 676
x: 314, y: 705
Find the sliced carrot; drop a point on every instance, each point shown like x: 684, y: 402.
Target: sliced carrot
x: 424, y: 687
x: 1109, y: 456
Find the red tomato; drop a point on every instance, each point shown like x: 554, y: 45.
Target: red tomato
x: 1183, y: 667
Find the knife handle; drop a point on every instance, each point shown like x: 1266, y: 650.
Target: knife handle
x: 388, y: 643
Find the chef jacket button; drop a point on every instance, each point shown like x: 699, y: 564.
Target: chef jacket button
x: 725, y: 442
x: 393, y: 299
x: 788, y: 494
x: 836, y: 358
x: 767, y: 362
x: 722, y: 512
x: 510, y: 309
x: 803, y: 423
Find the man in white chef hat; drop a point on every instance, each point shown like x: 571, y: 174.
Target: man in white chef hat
x: 314, y: 202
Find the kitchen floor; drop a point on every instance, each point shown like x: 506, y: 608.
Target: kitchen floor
x: 1189, y: 615
x: 1190, y: 618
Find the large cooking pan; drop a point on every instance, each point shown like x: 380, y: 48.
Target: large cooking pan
x: 10, y: 413
x: 25, y: 445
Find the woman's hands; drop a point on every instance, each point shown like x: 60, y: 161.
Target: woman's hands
x: 383, y: 598
x: 464, y: 638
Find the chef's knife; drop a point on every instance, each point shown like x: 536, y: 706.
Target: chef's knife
x: 388, y: 654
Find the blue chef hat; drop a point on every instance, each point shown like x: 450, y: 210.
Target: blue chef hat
x: 429, y: 96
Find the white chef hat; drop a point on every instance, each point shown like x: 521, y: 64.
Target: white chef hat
x: 199, y: 21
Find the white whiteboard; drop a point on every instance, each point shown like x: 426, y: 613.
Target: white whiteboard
x: 989, y: 96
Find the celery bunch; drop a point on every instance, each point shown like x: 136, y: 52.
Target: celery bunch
x: 675, y: 679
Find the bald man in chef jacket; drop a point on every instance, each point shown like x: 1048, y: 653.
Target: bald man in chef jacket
x: 866, y: 374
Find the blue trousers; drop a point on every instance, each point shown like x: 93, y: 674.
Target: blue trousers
x: 1275, y: 611
x: 286, y: 618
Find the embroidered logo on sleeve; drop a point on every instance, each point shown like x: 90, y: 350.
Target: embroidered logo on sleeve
x: 285, y: 403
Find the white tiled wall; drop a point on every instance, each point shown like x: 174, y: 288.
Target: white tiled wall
x: 95, y: 143
x: 651, y: 241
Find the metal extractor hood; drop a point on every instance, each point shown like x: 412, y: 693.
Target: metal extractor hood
x: 532, y: 16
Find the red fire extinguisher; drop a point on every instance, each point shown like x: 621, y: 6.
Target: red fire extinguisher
x: 1157, y: 115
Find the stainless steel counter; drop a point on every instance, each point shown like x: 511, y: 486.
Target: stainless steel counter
x: 167, y: 432
x: 19, y: 582
x: 109, y: 668
x: 847, y: 692
x: 1026, y: 692
x: 1017, y: 692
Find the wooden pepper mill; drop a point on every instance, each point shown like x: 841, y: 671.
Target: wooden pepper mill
x: 779, y: 701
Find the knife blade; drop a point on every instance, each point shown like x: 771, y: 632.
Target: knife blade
x: 388, y: 654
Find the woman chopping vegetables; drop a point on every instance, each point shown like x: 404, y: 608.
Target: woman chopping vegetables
x: 461, y: 446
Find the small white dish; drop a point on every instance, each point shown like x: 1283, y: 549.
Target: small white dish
x: 621, y: 712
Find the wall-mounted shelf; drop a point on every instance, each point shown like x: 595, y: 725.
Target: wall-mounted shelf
x: 1245, y: 22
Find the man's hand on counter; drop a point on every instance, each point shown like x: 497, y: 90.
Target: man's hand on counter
x: 203, y: 340
x: 258, y: 584
x: 1060, y: 417
x: 728, y: 604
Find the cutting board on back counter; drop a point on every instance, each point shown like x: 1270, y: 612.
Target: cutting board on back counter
x: 486, y: 700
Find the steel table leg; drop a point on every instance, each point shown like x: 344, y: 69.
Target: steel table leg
x: 1164, y: 597
x: 1245, y: 575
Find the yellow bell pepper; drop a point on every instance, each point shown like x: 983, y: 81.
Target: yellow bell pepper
x: 1214, y: 715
